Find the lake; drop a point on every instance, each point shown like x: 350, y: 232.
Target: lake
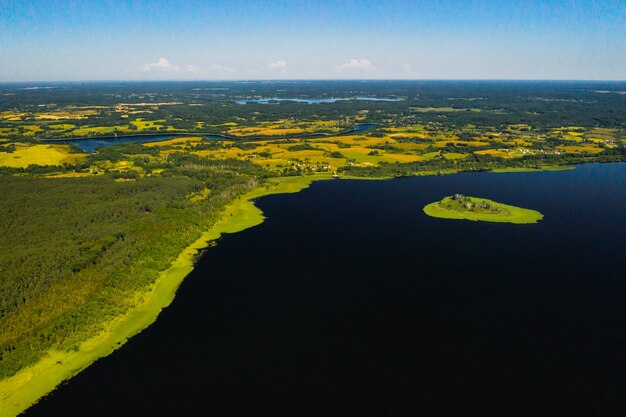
x: 278, y: 100
x: 350, y: 301
x: 89, y: 145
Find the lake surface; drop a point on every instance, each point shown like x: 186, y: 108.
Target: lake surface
x: 278, y: 100
x: 350, y: 301
x: 91, y: 144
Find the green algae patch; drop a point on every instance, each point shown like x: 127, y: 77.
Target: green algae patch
x: 461, y: 207
x: 23, y: 389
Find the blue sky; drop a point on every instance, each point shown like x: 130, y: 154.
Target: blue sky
x: 169, y: 40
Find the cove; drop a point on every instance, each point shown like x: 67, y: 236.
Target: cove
x: 347, y: 300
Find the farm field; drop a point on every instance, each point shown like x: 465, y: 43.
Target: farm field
x: 412, y: 143
x: 25, y: 155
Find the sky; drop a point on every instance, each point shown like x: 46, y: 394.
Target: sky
x: 233, y: 40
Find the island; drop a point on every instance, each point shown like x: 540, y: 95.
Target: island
x: 462, y: 207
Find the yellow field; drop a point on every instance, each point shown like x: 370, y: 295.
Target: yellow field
x: 141, y: 125
x: 62, y: 126
x: 12, y: 116
x: 90, y: 130
x: 406, y: 129
x: 411, y: 146
x: 284, y: 127
x: 441, y: 144
x: 70, y: 174
x: 30, y: 130
x: 175, y: 141
x: 495, y: 152
x: 403, y: 157
x: 454, y: 156
x: 70, y: 114
x: 579, y: 149
x: 276, y: 154
x: 255, y: 131
x: 26, y: 155
x: 362, y: 149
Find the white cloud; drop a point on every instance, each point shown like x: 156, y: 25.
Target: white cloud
x: 192, y: 69
x: 163, y: 65
x: 221, y: 68
x: 407, y: 68
x: 277, y: 65
x: 356, y: 65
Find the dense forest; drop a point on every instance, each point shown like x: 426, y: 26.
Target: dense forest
x: 74, y: 251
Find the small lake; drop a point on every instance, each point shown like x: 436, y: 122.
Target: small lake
x: 89, y: 145
x: 278, y: 100
x: 350, y: 301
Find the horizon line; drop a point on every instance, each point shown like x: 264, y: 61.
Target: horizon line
x: 316, y: 79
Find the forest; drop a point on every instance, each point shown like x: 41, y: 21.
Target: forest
x: 74, y: 251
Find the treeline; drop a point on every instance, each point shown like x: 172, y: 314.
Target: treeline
x: 480, y: 163
x: 540, y: 104
x: 75, y: 251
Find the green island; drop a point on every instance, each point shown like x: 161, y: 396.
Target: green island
x: 462, y: 207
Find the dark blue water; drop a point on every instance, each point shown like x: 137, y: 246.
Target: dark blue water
x: 349, y: 301
x: 90, y: 144
x: 360, y: 128
x: 278, y: 100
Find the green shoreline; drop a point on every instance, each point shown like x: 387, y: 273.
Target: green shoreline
x: 27, y: 386
x: 516, y: 215
x: 539, y: 169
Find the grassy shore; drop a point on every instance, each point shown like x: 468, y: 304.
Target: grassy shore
x: 540, y: 169
x: 23, y: 389
x: 499, y: 213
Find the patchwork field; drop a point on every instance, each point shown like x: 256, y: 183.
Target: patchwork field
x: 25, y: 155
x: 287, y: 149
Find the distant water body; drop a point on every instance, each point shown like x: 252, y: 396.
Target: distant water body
x: 277, y: 100
x: 89, y: 145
